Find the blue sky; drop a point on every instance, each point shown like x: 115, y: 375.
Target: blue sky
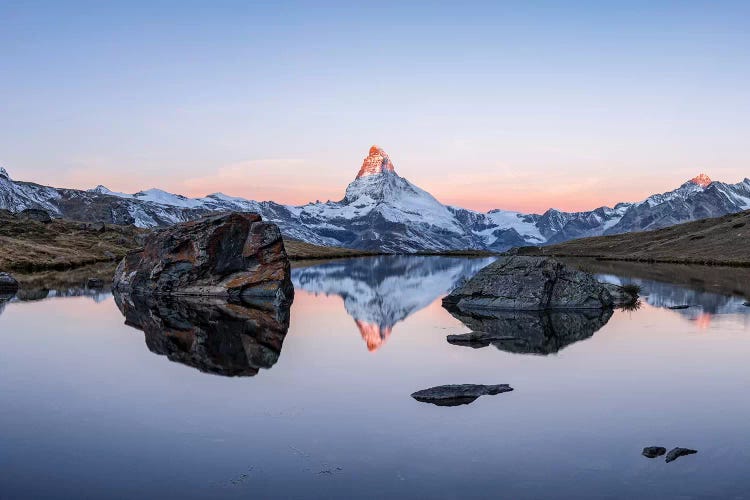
x: 518, y: 105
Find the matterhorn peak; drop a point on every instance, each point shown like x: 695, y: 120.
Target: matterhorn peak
x: 377, y: 162
x: 702, y: 180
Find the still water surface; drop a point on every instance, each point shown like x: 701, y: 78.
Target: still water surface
x: 92, y: 407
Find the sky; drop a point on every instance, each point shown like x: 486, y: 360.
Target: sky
x: 521, y: 105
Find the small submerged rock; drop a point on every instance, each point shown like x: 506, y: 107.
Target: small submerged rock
x: 455, y: 395
x: 676, y: 453
x: 8, y: 283
x: 653, y: 451
x: 747, y: 304
x: 682, y: 306
x: 94, y: 283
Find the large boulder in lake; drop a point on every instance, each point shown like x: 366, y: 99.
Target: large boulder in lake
x: 235, y: 256
x: 535, y: 284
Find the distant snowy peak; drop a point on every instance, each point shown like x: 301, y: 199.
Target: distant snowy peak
x: 701, y: 180
x: 377, y: 162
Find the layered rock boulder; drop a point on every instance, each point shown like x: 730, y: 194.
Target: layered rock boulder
x: 535, y: 284
x: 236, y: 256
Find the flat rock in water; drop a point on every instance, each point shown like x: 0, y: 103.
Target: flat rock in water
x: 8, y: 283
x: 676, y: 453
x: 234, y: 256
x: 683, y: 306
x: 455, y: 395
x: 535, y: 284
x: 653, y: 451
x: 747, y: 304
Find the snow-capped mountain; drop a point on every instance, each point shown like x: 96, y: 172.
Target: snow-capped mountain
x: 383, y: 211
x: 379, y: 292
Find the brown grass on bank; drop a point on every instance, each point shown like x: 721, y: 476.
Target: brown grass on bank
x: 27, y: 245
x: 719, y: 241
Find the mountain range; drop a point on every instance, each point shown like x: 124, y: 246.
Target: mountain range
x: 383, y: 211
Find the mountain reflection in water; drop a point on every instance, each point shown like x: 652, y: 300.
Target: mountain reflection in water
x: 379, y: 292
x: 704, y: 306
x: 211, y: 335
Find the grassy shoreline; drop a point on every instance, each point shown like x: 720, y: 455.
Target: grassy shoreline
x: 720, y: 241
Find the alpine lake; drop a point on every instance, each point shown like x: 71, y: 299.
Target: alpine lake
x: 105, y: 396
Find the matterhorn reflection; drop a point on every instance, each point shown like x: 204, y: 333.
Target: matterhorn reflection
x: 211, y: 335
x: 379, y: 292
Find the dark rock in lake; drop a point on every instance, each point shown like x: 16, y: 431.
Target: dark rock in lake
x: 653, y: 451
x: 234, y: 256
x: 209, y: 334
x: 535, y: 284
x: 528, y: 332
x: 747, y: 304
x: 8, y: 283
x: 94, y: 283
x: 683, y: 306
x: 676, y: 453
x: 35, y: 214
x: 455, y: 395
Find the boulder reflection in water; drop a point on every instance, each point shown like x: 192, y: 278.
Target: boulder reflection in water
x: 211, y: 335
x: 527, y: 332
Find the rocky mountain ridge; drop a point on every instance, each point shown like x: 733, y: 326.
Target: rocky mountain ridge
x: 383, y: 211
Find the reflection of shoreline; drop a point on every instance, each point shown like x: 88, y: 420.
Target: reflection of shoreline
x: 379, y: 292
x: 710, y: 291
x: 208, y: 334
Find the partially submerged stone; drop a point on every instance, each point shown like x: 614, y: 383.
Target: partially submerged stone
x: 94, y: 283
x: 677, y: 307
x: 234, y: 256
x: 455, y: 395
x: 535, y: 284
x: 8, y: 283
x: 653, y: 451
x: 676, y: 453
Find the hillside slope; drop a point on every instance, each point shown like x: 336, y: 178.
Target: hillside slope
x: 721, y: 240
x: 29, y: 245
